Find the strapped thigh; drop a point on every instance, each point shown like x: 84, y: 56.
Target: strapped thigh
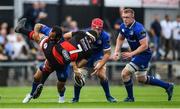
x: 131, y: 67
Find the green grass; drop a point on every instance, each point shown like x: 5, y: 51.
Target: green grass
x: 91, y: 97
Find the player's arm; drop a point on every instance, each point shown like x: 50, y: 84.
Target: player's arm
x: 82, y: 63
x: 41, y: 28
x: 38, y: 37
x: 38, y: 27
x: 76, y: 69
x: 68, y: 35
x: 143, y: 46
x: 119, y: 42
x: 103, y: 61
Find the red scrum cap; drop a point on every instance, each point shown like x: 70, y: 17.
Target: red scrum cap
x: 97, y: 23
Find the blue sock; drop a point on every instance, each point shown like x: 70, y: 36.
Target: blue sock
x: 153, y: 81
x: 61, y: 93
x: 34, y: 86
x: 129, y: 88
x: 105, y: 85
x: 77, y: 90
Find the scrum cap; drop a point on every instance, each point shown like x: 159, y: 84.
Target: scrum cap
x: 97, y: 23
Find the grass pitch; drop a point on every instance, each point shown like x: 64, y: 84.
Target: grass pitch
x: 91, y: 97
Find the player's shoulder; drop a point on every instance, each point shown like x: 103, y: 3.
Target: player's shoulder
x: 138, y: 27
x: 105, y: 34
x: 122, y: 26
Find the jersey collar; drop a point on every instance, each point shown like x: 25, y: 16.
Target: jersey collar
x: 132, y: 24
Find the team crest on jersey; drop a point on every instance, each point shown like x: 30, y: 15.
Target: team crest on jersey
x: 45, y: 45
x: 123, y: 30
x: 99, y: 42
x: 131, y: 33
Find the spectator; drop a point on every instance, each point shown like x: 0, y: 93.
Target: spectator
x: 176, y: 35
x: 42, y: 17
x: 19, y: 51
x: 166, y: 33
x: 73, y: 26
x: 4, y: 25
x: 156, y: 34
x: 66, y: 24
x: 3, y: 34
x: 117, y: 26
x: 32, y: 14
x: 118, y: 21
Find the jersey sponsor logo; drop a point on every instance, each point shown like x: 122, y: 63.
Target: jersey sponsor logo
x: 143, y: 33
x: 65, y: 55
x: 45, y: 45
x: 131, y: 32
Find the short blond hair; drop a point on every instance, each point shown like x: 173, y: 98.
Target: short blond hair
x: 129, y: 10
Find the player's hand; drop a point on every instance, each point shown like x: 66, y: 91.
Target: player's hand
x: 115, y: 56
x: 77, y: 73
x: 127, y: 55
x: 97, y: 68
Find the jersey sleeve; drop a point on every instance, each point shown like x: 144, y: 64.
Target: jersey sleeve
x: 106, y: 43
x: 45, y: 30
x: 121, y: 29
x: 141, y: 33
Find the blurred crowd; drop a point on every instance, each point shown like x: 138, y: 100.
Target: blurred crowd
x: 164, y: 36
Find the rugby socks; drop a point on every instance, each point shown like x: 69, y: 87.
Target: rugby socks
x: 61, y: 93
x: 153, y: 81
x: 129, y: 88
x: 105, y: 85
x: 77, y: 90
x: 34, y: 86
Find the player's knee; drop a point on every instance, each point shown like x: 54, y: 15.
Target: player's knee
x: 102, y: 77
x: 141, y: 79
x: 102, y: 74
x: 125, y: 74
x: 37, y: 76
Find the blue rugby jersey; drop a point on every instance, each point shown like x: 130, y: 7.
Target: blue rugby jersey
x: 102, y: 44
x: 134, y: 34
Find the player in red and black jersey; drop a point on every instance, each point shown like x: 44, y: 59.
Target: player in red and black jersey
x: 58, y: 54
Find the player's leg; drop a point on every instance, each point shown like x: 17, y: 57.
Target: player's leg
x: 37, y: 78
x: 143, y: 78
x: 46, y: 71
x: 128, y: 82
x: 62, y: 76
x: 61, y: 90
x: 105, y: 84
x: 77, y: 90
x: 40, y: 77
x: 20, y: 28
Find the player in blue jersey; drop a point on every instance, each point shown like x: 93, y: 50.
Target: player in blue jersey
x: 140, y: 56
x: 98, y: 60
